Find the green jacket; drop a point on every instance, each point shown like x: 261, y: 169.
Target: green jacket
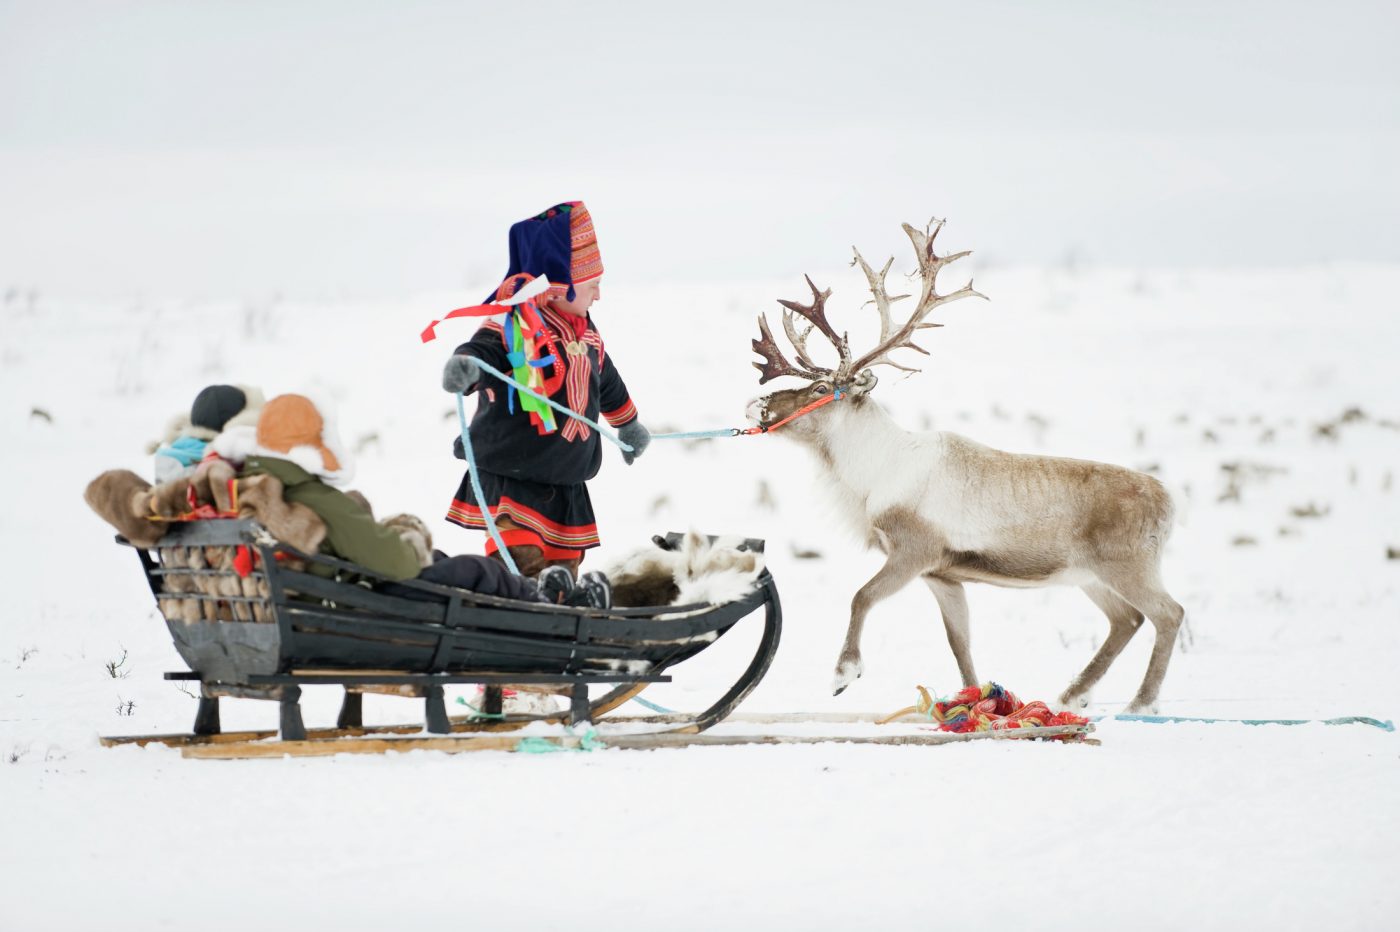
x: 351, y: 531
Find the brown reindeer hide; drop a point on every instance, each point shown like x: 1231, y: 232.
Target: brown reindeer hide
x: 639, y: 592
x: 210, y: 483
x: 122, y: 499
x: 260, y: 498
x: 169, y: 499
x: 646, y: 577
x: 130, y: 504
x: 697, y: 572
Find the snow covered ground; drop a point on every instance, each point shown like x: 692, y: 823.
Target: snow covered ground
x: 1266, y: 399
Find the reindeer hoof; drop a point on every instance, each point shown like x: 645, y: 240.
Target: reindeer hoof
x: 847, y: 672
x: 1141, y: 708
x: 1073, y: 702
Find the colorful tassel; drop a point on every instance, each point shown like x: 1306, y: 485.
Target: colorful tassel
x: 989, y: 707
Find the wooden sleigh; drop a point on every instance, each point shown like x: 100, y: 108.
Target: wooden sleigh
x: 254, y: 618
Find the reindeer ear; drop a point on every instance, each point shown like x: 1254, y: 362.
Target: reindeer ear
x: 864, y: 382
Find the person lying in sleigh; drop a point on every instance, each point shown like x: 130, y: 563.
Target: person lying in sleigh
x: 296, y: 442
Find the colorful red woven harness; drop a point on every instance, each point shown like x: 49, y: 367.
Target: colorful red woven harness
x: 989, y: 707
x: 805, y: 409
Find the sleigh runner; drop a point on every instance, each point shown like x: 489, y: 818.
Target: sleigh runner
x: 254, y: 618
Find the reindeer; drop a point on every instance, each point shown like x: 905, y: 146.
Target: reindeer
x: 950, y: 511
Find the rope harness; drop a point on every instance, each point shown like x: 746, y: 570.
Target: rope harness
x: 989, y: 707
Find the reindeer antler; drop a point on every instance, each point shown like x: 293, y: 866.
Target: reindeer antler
x: 775, y: 364
x: 891, y: 338
x: 929, y: 298
x: 815, y: 315
x: 882, y: 300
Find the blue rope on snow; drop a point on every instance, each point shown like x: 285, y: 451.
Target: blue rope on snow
x: 1386, y: 725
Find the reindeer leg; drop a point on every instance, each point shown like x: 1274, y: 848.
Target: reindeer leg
x: 1145, y: 593
x: 893, y: 576
x: 952, y: 602
x: 1123, y: 623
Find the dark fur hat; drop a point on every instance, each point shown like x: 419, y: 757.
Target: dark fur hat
x: 215, y: 405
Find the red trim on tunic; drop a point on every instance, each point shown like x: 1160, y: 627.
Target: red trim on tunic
x: 519, y: 537
x: 619, y: 416
x: 469, y: 516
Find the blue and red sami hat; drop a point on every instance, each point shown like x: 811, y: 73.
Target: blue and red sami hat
x: 560, y: 244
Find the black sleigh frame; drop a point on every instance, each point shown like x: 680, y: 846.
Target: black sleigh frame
x: 276, y: 627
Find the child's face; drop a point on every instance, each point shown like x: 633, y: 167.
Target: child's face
x: 584, y: 296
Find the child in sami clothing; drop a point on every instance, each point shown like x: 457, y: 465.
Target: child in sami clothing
x: 532, y: 461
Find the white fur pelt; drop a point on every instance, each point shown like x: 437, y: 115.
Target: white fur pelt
x: 697, y: 572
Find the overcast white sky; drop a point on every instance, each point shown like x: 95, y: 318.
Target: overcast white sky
x: 369, y: 149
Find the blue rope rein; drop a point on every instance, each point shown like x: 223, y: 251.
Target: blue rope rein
x: 488, y: 518
x: 525, y: 389
x: 699, y: 434
x: 604, y: 433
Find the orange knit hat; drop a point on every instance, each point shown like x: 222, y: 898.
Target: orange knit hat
x: 293, y: 426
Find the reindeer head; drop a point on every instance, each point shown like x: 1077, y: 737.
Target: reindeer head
x: 852, y: 377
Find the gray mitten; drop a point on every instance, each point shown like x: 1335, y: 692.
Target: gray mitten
x: 460, y: 374
x: 636, y: 436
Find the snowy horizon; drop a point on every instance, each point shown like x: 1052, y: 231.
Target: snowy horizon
x: 362, y: 151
